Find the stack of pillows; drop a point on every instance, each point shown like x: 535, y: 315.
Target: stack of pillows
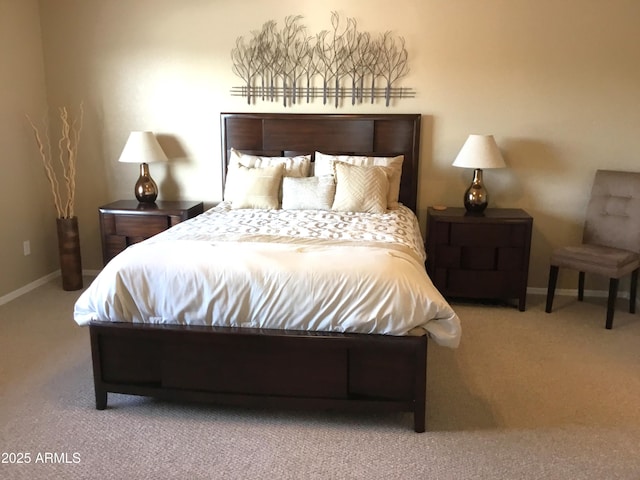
x: 338, y: 182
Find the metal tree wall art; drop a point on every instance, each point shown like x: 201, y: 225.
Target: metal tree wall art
x: 289, y: 65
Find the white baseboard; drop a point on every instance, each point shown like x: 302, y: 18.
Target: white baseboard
x: 573, y: 292
x: 37, y: 283
x: 27, y: 288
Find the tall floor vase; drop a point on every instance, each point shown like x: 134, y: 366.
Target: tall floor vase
x: 69, y: 251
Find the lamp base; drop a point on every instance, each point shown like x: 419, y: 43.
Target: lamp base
x: 476, y: 197
x: 146, y: 189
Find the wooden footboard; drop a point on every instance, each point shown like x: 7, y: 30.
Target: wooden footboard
x: 251, y: 367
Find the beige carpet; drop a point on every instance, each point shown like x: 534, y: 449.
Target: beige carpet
x: 526, y: 396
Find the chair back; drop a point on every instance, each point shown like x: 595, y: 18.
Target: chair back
x: 613, y: 212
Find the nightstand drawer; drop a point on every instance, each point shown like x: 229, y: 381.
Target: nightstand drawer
x: 484, y: 235
x: 478, y: 235
x: 480, y: 258
x: 483, y: 284
x: 114, y: 244
x: 140, y: 226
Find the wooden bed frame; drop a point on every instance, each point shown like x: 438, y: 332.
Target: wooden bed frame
x: 289, y: 369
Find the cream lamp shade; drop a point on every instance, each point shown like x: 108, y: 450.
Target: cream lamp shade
x: 478, y: 152
x: 143, y: 148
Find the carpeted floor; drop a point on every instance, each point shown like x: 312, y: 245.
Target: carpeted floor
x: 527, y: 395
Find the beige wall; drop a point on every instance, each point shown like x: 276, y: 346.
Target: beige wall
x: 27, y: 209
x: 557, y: 83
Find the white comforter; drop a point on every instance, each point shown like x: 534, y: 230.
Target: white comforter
x: 277, y: 269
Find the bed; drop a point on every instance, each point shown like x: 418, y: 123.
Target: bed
x: 157, y: 328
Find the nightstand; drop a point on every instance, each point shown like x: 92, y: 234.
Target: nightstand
x: 479, y: 255
x: 126, y: 222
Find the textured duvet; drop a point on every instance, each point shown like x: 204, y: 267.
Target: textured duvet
x: 277, y: 269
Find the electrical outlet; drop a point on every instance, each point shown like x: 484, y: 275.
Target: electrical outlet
x: 26, y: 247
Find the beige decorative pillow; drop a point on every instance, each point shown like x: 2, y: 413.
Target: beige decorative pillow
x: 324, y: 166
x: 257, y: 187
x: 310, y: 193
x: 298, y: 166
x: 360, y: 189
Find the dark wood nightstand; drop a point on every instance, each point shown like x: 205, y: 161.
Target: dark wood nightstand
x: 125, y: 222
x: 479, y: 255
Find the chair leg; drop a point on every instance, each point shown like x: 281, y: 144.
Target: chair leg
x: 580, y: 286
x: 611, y: 303
x: 551, y: 288
x: 632, y: 291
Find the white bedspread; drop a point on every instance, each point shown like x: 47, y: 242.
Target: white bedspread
x: 277, y: 269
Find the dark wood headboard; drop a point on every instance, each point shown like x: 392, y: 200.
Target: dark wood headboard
x: 284, y: 134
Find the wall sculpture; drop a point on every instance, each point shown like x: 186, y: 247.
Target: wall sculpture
x: 342, y: 64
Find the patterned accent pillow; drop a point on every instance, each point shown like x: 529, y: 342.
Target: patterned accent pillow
x: 258, y: 187
x: 310, y: 193
x: 299, y: 166
x: 324, y: 166
x: 360, y: 189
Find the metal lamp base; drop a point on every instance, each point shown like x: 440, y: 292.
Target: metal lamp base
x: 476, y: 198
x: 146, y: 189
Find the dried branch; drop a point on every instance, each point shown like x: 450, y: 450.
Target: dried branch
x: 68, y: 155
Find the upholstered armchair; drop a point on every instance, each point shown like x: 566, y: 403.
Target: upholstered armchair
x: 611, y: 239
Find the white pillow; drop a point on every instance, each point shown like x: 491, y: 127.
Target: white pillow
x: 360, y: 189
x: 298, y: 166
x: 310, y: 193
x: 257, y: 187
x: 324, y: 166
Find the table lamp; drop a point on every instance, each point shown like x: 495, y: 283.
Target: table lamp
x: 143, y: 148
x: 478, y: 152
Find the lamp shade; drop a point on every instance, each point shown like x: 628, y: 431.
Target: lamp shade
x: 479, y: 151
x: 142, y: 147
